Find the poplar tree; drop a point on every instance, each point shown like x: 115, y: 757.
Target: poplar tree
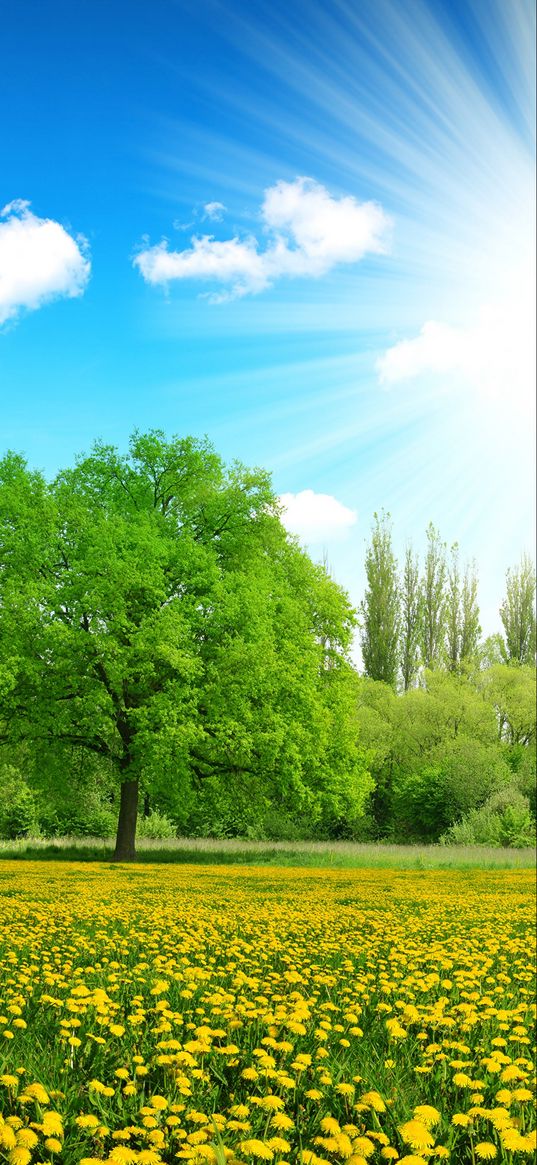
x: 379, y: 610
x: 470, y: 625
x: 453, y: 611
x: 517, y: 613
x: 411, y: 615
x: 433, y: 591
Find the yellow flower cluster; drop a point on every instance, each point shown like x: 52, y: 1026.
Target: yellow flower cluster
x: 217, y: 1015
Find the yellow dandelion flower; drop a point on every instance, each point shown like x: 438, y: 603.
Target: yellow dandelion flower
x: 20, y: 1156
x: 415, y: 1133
x: 330, y: 1125
x: 255, y: 1148
x: 37, y: 1092
x: 486, y: 1150
x: 364, y: 1146
x: 280, y: 1120
x: 279, y: 1145
x: 373, y: 1100
x: 27, y: 1138
x: 53, y: 1144
x: 428, y: 1115
x: 158, y: 1102
x: 271, y: 1102
x: 87, y: 1121
x: 8, y: 1139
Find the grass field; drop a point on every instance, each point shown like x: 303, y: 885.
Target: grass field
x: 336, y: 854
x: 201, y: 1013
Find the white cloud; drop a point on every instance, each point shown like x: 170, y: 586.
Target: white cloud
x: 494, y: 354
x: 39, y: 260
x: 214, y: 211
x: 308, y: 233
x: 316, y: 517
x: 437, y: 348
x: 233, y: 262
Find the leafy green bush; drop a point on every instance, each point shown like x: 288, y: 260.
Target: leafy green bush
x: 17, y: 805
x: 504, y: 820
x: 156, y: 826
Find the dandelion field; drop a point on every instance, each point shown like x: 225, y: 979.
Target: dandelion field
x: 200, y: 1013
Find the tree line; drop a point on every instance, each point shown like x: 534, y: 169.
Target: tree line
x: 172, y: 660
x: 413, y: 619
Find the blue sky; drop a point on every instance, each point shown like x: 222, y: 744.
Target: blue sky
x: 355, y: 311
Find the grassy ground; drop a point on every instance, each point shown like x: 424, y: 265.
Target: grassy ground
x: 330, y: 854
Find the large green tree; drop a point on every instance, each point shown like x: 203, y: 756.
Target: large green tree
x: 154, y: 614
x: 379, y: 610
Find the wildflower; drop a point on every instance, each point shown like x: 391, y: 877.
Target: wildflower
x: 20, y: 1156
x: 486, y: 1150
x: 280, y: 1120
x: 330, y: 1125
x: 415, y: 1133
x: 428, y: 1115
x: 27, y: 1138
x: 258, y: 1149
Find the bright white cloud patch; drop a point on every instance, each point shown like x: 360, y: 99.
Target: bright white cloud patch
x: 315, y: 517
x: 495, y: 354
x: 39, y: 260
x: 307, y: 232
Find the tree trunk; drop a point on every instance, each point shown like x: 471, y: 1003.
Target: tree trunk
x: 126, y: 827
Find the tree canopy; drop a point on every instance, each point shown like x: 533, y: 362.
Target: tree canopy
x: 156, y: 615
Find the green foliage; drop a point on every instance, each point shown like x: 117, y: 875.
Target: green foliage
x: 18, y: 817
x: 156, y: 827
x: 434, y: 602
x: 157, y: 621
x: 380, y: 614
x: 436, y: 752
x: 411, y: 619
x: 517, y: 613
x: 504, y: 820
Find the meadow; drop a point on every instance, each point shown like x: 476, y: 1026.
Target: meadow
x: 208, y: 1013
x: 223, y: 851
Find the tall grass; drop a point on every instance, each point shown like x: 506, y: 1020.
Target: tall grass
x: 337, y: 854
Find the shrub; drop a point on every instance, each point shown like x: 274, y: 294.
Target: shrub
x: 156, y: 827
x: 504, y: 820
x: 17, y: 805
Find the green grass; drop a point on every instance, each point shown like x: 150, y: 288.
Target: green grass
x: 330, y: 854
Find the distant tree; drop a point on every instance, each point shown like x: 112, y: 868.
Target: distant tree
x: 379, y: 609
x: 433, y: 589
x: 462, y: 613
x: 517, y: 614
x: 470, y: 625
x: 453, y: 611
x: 411, y: 619
x: 154, y: 614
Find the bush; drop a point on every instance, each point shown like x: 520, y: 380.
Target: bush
x: 156, y: 827
x: 17, y: 805
x: 504, y: 820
